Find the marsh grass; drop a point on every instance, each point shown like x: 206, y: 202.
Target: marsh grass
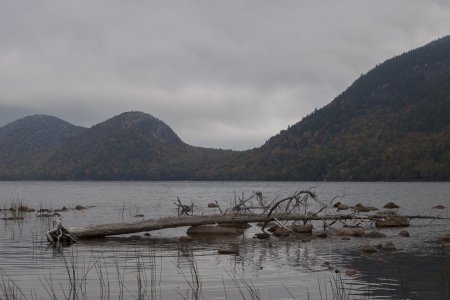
x: 9, y: 290
x: 137, y: 275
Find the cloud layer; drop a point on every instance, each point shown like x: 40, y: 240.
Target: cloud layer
x: 226, y: 74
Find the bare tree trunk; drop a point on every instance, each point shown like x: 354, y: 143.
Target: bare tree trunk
x: 103, y: 230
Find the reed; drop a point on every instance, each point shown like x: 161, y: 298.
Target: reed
x: 97, y: 278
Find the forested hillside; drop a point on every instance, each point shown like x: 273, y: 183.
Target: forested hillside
x: 27, y: 142
x: 130, y: 146
x: 392, y: 124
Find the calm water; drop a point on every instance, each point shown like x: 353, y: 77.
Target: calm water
x: 159, y: 266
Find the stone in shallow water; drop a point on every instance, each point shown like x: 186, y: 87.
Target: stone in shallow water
x: 404, y: 233
x: 369, y: 249
x: 228, y: 251
x: 213, y: 230
x: 374, y: 234
x: 391, y: 205
x: 262, y: 235
x: 389, y: 247
x: 348, y: 231
x: 439, y: 207
x: 446, y: 246
x: 185, y: 238
x: 282, y: 231
x: 307, y: 228
x: 350, y: 272
x: 445, y: 239
x: 236, y: 225
x: 344, y: 231
x: 393, y: 221
x: 321, y: 235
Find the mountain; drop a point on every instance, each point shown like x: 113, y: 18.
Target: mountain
x: 133, y: 145
x: 392, y: 123
x: 25, y: 142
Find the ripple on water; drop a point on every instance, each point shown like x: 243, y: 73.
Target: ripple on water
x: 276, y: 268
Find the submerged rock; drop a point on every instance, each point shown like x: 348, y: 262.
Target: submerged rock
x: 361, y: 208
x: 237, y: 225
x: 386, y: 213
x: 368, y: 249
x: 282, y: 231
x: 350, y: 272
x: 348, y: 231
x: 344, y: 231
x: 445, y: 239
x: 139, y: 216
x: 439, y: 207
x: 61, y: 209
x: 262, y: 235
x: 336, y: 205
x: 206, y: 230
x: 262, y: 224
x: 343, y: 207
x: 358, y: 231
x: 340, y: 206
x: 46, y: 215
x: 404, y: 233
x: 321, y: 235
x: 446, y: 246
x: 185, y: 238
x: 228, y: 251
x: 307, y: 228
x: 389, y: 247
x: 24, y: 208
x: 374, y: 234
x: 393, y: 221
x: 391, y: 205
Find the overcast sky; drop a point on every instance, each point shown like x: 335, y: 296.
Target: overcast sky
x: 224, y: 74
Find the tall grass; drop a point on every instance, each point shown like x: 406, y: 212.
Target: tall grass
x: 110, y: 275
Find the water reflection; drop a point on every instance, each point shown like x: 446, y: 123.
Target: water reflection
x: 162, y: 266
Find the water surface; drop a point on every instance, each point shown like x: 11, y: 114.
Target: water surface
x: 160, y: 266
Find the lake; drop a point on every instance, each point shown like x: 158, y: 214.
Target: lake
x: 160, y: 266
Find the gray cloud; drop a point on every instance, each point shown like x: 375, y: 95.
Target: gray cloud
x: 224, y: 74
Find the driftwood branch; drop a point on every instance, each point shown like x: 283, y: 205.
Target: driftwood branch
x: 172, y: 222
x: 94, y: 231
x: 243, y: 211
x: 60, y: 236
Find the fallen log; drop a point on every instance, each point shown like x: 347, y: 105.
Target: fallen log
x: 96, y: 231
x: 103, y: 230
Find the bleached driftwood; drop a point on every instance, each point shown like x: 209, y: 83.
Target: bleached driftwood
x: 103, y: 230
x: 292, y: 208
